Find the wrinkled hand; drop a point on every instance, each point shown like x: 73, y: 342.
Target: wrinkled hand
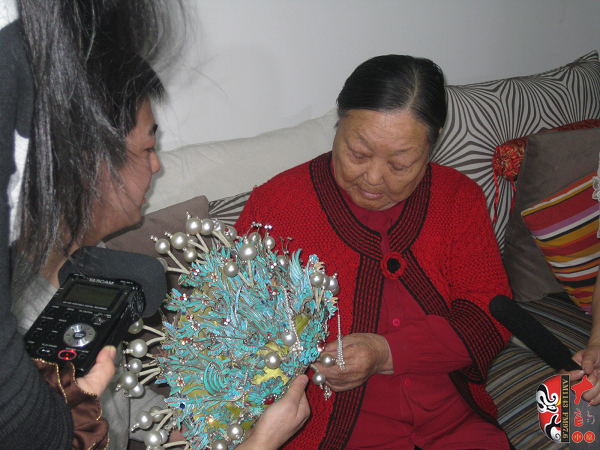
x: 365, y: 354
x: 101, y: 373
x: 281, y: 420
x: 589, y: 360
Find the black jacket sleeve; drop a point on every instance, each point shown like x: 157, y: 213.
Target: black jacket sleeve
x: 32, y: 415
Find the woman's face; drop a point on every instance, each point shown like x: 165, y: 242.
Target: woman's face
x: 379, y: 158
x: 121, y: 203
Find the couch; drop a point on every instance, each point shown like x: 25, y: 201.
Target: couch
x: 214, y: 179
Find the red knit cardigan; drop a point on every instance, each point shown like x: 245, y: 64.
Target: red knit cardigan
x: 453, y: 268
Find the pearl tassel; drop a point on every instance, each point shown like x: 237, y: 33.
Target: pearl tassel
x: 340, y: 348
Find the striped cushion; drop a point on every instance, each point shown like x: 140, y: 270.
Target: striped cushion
x: 564, y: 227
x: 482, y: 116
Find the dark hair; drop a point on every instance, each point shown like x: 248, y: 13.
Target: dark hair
x: 391, y: 83
x: 91, y: 63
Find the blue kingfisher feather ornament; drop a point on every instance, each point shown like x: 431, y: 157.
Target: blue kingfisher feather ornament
x: 254, y: 319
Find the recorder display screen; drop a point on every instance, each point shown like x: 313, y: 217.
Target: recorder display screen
x: 92, y: 294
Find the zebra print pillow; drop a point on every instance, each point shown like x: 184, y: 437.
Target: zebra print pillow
x: 228, y: 209
x: 482, y: 116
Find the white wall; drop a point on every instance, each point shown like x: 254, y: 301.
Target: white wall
x: 257, y: 65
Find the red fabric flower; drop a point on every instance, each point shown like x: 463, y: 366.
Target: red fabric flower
x: 393, y: 265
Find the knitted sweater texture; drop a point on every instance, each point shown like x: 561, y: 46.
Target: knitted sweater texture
x: 451, y: 266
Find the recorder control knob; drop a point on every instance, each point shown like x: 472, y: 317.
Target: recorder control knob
x: 79, y: 335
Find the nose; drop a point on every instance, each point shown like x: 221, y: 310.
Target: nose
x: 374, y: 174
x: 154, y: 163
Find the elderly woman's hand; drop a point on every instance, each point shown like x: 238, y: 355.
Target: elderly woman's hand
x: 365, y: 354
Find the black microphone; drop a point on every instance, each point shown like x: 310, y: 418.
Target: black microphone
x: 533, y: 334
x: 98, y: 262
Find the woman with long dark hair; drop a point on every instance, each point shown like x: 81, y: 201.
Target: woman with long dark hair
x: 75, y: 81
x: 69, y: 74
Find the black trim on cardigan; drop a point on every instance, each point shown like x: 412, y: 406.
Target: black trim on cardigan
x: 356, y: 236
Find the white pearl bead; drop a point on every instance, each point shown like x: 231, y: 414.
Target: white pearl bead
x: 128, y: 380
x: 326, y: 359
x: 235, y: 431
x: 288, y: 339
x: 316, y: 279
x: 136, y: 327
x: 179, y: 240
x: 218, y: 225
x: 272, y: 360
x: 134, y: 365
x: 248, y: 252
x: 230, y: 269
x: 165, y: 435
x: 283, y: 261
x: 193, y: 225
x: 144, y: 420
x: 219, y: 444
x: 230, y: 233
x: 334, y: 286
x: 254, y: 237
x: 318, y: 378
x: 162, y: 246
x: 190, y: 255
x: 157, y: 416
x: 137, y: 391
x: 269, y: 242
x: 325, y: 281
x: 207, y: 227
x: 153, y: 438
x: 138, y: 348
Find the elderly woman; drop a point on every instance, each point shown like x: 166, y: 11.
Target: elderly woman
x: 417, y: 262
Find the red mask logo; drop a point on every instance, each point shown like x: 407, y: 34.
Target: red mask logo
x: 549, y: 407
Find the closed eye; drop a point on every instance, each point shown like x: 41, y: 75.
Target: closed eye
x: 357, y: 155
x: 397, y: 167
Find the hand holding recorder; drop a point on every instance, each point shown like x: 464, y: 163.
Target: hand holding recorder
x: 102, y: 293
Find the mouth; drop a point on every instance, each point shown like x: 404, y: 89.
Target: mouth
x: 370, y: 195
